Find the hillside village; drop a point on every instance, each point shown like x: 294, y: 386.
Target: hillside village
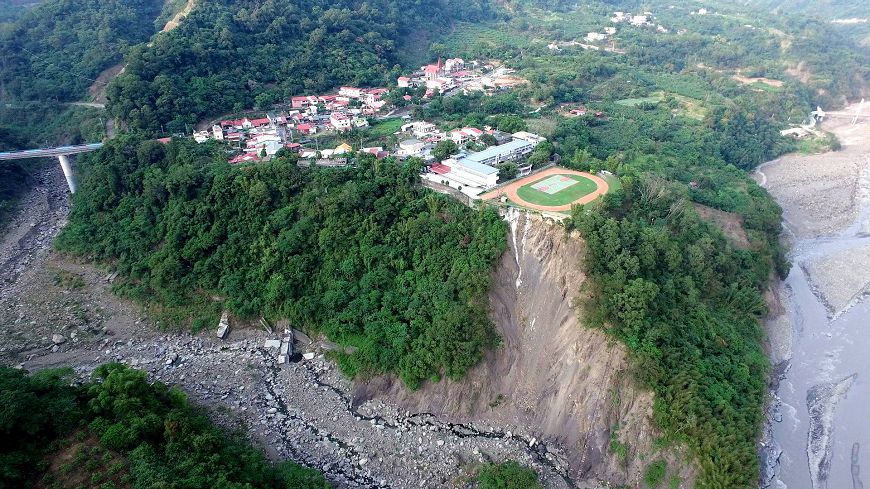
x: 471, y: 169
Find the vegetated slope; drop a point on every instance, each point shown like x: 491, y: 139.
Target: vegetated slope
x: 552, y: 376
x: 166, y: 442
x: 728, y: 38
x: 237, y: 54
x: 687, y: 304
x: 396, y: 273
x: 58, y: 48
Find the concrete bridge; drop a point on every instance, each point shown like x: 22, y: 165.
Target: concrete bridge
x: 61, y: 152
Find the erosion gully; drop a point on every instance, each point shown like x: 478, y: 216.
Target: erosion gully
x: 818, y: 418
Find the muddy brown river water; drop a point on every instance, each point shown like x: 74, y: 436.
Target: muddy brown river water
x: 820, y: 421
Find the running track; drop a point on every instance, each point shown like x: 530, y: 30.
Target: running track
x: 510, y: 190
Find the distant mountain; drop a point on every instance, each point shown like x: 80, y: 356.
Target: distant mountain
x: 830, y: 9
x: 13, y: 9
x: 849, y: 17
x: 55, y: 50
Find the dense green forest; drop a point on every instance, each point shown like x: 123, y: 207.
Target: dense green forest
x: 13, y: 9
x: 56, y: 50
x: 124, y: 431
x: 230, y: 55
x: 687, y: 304
x: 396, y: 273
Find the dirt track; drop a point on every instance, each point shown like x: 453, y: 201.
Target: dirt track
x: 510, y: 190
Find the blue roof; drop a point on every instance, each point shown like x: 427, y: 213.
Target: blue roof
x: 477, y: 167
x: 497, y: 150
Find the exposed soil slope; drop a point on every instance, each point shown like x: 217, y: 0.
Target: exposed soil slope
x: 552, y: 378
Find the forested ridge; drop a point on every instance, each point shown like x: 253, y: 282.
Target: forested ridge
x: 231, y: 55
x: 396, y: 273
x: 56, y: 50
x: 127, y: 432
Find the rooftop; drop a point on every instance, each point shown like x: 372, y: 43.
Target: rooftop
x: 496, y: 150
x: 477, y: 167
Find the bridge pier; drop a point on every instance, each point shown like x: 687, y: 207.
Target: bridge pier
x: 68, y: 172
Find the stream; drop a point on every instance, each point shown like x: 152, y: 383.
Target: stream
x: 819, y: 415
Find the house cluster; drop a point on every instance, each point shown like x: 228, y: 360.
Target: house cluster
x: 341, y: 112
x: 600, y: 36
x: 639, y: 20
x: 470, y: 171
x: 441, y: 77
x: 265, y: 136
x: 457, y: 74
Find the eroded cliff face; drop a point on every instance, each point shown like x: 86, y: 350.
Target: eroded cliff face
x: 551, y: 378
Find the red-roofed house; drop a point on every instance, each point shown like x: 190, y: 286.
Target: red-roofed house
x: 407, y: 98
x: 260, y: 122
x: 472, y: 132
x: 303, y: 102
x: 242, y: 123
x: 403, y: 82
x: 306, y: 128
x: 441, y: 169
x: 373, y: 95
x: 431, y: 72
x: 164, y: 140
x: 244, y: 158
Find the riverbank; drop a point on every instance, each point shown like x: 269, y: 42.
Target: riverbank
x: 816, y: 338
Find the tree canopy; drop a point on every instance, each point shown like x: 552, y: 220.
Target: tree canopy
x: 396, y: 273
x: 167, y: 441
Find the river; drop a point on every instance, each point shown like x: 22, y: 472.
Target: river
x: 821, y: 344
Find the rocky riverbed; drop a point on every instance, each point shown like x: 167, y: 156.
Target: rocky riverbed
x: 817, y: 414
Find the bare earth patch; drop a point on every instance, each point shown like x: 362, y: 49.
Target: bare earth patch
x: 730, y: 223
x: 749, y: 81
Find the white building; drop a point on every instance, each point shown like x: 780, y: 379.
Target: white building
x: 200, y: 136
x: 454, y: 64
x: 217, y: 132
x: 350, y: 92
x: 528, y: 136
x: 639, y: 20
x: 467, y: 173
x: 420, y: 129
x: 595, y: 36
x: 411, y: 147
x: 341, y: 122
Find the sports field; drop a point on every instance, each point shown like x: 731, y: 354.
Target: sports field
x: 552, y: 190
x: 558, y: 189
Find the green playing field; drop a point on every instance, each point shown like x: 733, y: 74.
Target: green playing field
x: 557, y: 189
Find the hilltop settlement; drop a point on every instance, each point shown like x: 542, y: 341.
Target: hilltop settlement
x: 469, y: 161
